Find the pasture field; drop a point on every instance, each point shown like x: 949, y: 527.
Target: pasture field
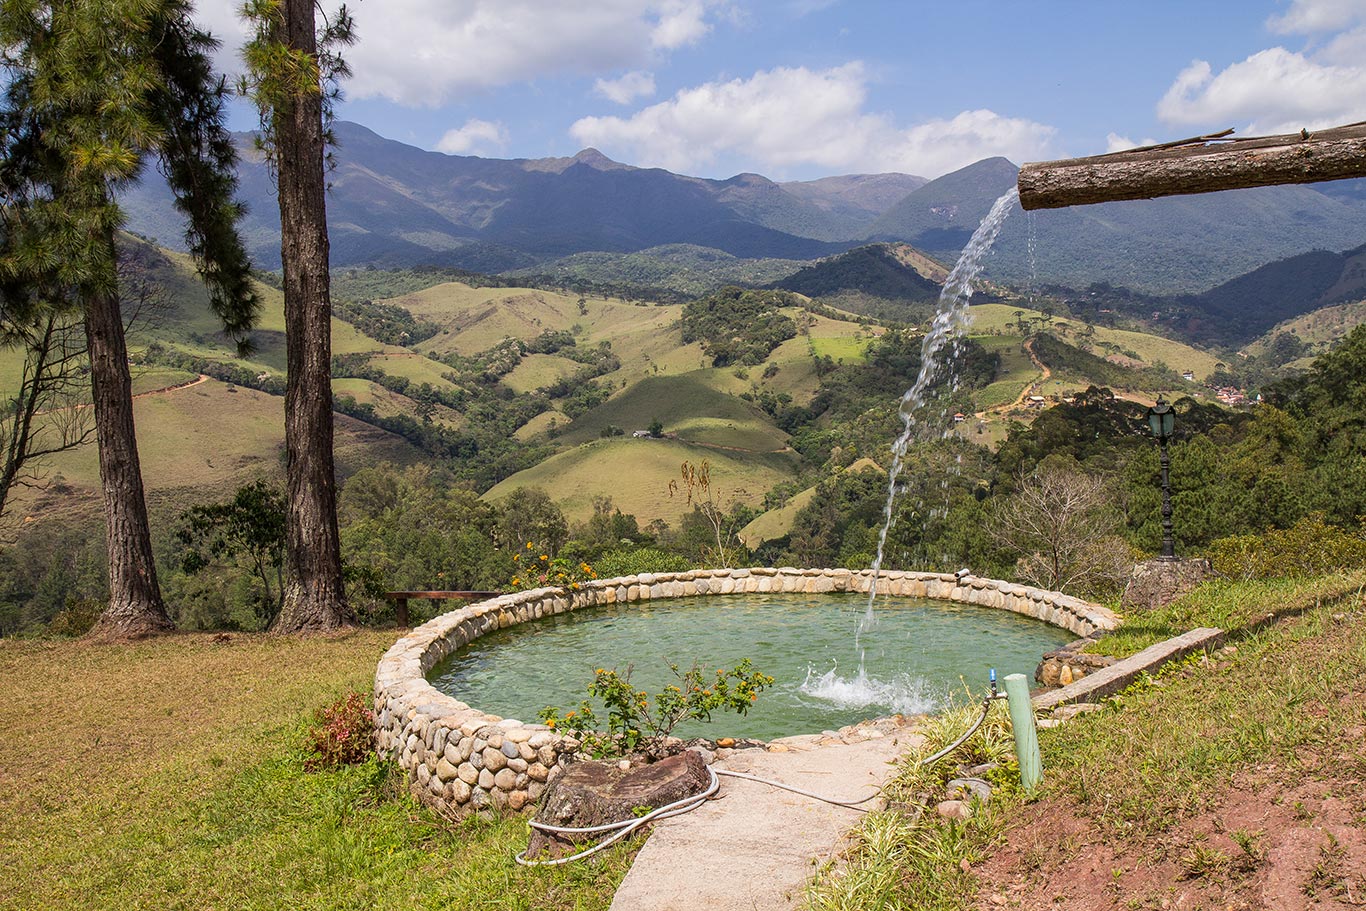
x: 636, y: 474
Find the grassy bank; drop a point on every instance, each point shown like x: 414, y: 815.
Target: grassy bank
x: 168, y: 774
x: 1143, y: 777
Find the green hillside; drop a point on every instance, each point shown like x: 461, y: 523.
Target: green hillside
x: 688, y: 408
x: 778, y: 522
x: 636, y: 475
x: 684, y: 268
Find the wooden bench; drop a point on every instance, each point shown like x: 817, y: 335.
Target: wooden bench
x: 400, y: 600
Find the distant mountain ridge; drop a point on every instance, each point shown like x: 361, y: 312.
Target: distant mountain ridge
x: 394, y: 204
x: 1171, y: 245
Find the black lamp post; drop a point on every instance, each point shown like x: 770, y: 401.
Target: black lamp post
x: 1161, y: 421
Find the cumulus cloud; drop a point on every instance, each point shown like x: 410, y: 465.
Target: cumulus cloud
x: 1278, y: 90
x: 1114, y: 142
x: 426, y: 52
x: 681, y: 22
x: 476, y: 137
x: 627, y: 88
x: 221, y: 20
x: 1310, y: 16
x: 1273, y: 91
x: 791, y: 116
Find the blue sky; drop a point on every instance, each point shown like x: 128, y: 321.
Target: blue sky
x: 797, y: 89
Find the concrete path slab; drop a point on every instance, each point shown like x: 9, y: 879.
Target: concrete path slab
x: 756, y: 847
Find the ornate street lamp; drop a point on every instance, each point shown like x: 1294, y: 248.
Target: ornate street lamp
x: 1161, y: 421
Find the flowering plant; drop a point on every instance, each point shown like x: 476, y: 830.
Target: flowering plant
x: 534, y: 568
x: 344, y: 734
x: 634, y: 723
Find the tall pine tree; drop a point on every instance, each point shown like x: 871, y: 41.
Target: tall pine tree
x: 96, y: 88
x: 293, y: 70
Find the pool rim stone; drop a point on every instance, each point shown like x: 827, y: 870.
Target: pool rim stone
x: 447, y: 748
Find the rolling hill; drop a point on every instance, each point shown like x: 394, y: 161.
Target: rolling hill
x: 518, y: 386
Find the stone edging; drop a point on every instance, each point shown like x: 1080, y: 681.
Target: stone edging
x: 458, y: 759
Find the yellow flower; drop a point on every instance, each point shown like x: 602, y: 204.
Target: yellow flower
x: 544, y: 557
x: 550, y: 722
x: 528, y: 545
x: 516, y: 557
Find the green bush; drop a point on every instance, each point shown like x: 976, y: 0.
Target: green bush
x: 636, y: 722
x: 1310, y: 547
x: 640, y: 560
x: 77, y: 618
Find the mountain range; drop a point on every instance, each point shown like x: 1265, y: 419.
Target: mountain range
x: 393, y: 204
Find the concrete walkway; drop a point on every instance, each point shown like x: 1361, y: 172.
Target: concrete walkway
x: 755, y: 846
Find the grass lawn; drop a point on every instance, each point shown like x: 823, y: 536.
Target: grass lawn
x: 169, y: 774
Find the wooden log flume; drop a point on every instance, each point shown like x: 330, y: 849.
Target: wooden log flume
x: 1202, y: 164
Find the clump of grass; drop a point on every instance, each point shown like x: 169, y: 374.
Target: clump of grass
x: 907, y: 856
x: 1203, y: 862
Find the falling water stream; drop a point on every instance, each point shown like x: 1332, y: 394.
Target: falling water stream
x: 950, y: 321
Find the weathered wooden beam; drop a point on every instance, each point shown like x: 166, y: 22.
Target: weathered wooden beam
x: 1200, y: 165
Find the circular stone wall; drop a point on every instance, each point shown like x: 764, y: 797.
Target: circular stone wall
x: 458, y: 759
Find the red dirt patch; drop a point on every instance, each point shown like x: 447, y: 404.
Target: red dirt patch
x: 1274, y: 839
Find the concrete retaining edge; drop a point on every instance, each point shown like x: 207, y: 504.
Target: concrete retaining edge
x: 1110, y: 680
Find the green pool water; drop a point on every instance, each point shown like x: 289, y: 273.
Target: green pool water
x: 918, y: 656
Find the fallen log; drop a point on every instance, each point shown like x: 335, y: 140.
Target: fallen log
x: 1202, y: 164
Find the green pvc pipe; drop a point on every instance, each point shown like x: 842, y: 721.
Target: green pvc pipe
x: 1026, y: 736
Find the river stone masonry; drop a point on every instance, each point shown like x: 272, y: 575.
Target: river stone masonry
x: 458, y: 759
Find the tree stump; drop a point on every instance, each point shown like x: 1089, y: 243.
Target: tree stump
x: 596, y: 793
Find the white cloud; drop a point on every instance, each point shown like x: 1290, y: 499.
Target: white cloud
x: 1117, y: 143
x: 1310, y: 16
x: 627, y: 88
x: 220, y: 19
x: 425, y: 52
x: 681, y: 22
x: 1273, y: 91
x: 788, y: 117
x: 476, y: 137
x: 1277, y: 90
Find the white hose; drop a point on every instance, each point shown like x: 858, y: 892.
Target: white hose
x: 619, y: 829
x: 848, y: 804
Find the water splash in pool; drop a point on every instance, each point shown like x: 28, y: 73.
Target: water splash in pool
x: 904, y: 694
x: 950, y: 321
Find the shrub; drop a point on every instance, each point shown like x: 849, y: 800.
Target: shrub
x: 343, y: 735
x: 640, y: 560
x: 77, y: 618
x: 1310, y: 547
x: 532, y: 571
x: 635, y: 723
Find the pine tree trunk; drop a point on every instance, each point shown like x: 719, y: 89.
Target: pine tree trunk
x: 135, y: 607
x: 314, y: 596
